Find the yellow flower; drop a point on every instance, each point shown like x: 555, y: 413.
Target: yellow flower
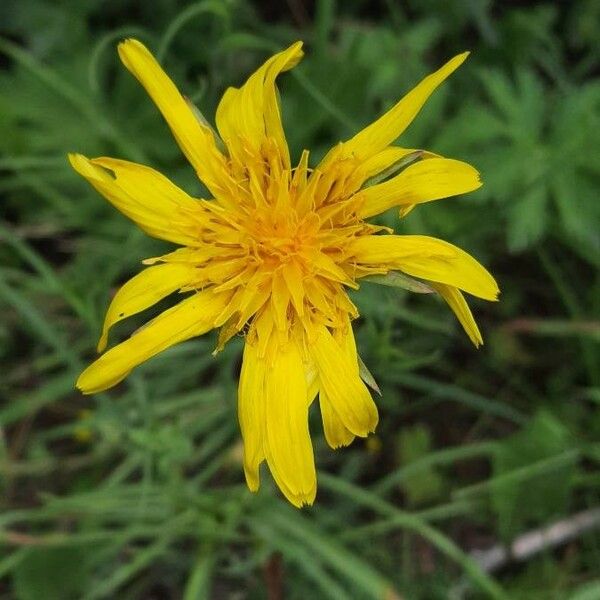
x: 273, y: 253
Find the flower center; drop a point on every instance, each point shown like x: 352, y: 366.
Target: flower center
x: 279, y: 235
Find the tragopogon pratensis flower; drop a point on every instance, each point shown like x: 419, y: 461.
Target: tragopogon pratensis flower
x: 273, y: 253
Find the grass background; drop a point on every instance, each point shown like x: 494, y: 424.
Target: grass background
x: 138, y: 493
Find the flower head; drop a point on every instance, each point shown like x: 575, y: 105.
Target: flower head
x: 274, y: 252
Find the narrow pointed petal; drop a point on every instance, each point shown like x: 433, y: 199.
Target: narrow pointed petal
x: 154, y: 203
x: 195, y: 139
x: 424, y: 181
x: 381, y: 133
x: 251, y: 413
x: 343, y: 386
x: 293, y: 277
x: 288, y: 445
x: 336, y: 433
x: 428, y: 258
x: 388, y: 251
x: 280, y: 299
x: 144, y: 290
x: 312, y: 382
x: 460, y: 308
x: 248, y: 116
x: 190, y: 318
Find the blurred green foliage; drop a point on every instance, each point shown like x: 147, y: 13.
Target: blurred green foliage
x: 138, y: 493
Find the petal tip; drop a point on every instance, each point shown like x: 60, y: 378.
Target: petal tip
x: 80, y: 385
x: 84, y: 166
x: 337, y: 444
x: 494, y: 290
x: 367, y: 428
x: 130, y: 43
x: 374, y: 424
x: 294, y: 54
x: 459, y: 59
x: 299, y: 48
x: 302, y: 500
x: 77, y: 160
x: 253, y: 486
x: 252, y: 478
x: 127, y: 48
x: 101, y: 346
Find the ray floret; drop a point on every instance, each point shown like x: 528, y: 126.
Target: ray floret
x: 273, y: 253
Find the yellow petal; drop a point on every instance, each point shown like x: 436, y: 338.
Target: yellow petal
x: 343, y: 386
x: 288, y: 446
x: 336, y: 434
x: 191, y: 317
x: 247, y: 116
x: 191, y: 255
x: 145, y: 290
x: 389, y: 126
x: 326, y: 267
x: 460, y: 308
x: 388, y: 251
x: 251, y: 413
x: 148, y: 198
x: 312, y: 382
x: 195, y: 139
x: 293, y: 277
x: 429, y: 258
x: 280, y: 299
x: 423, y: 181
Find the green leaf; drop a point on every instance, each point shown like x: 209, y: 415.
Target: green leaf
x: 199, y: 580
x: 587, y: 591
x: 52, y: 573
x: 424, y: 485
x: 412, y: 522
x: 528, y: 219
x: 527, y: 501
x: 325, y: 548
